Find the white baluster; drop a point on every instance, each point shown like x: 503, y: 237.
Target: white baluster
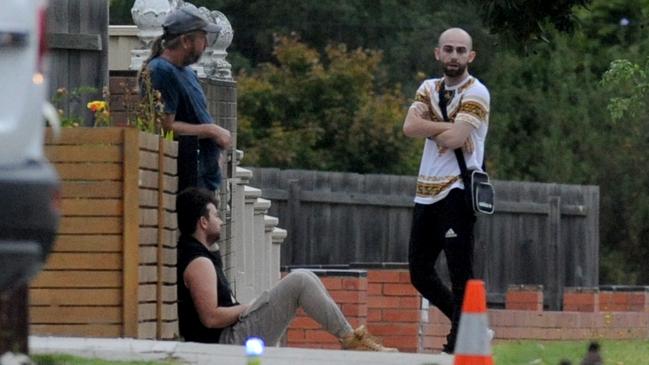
x: 278, y: 235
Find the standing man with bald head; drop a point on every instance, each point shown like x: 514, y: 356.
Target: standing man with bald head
x: 450, y: 112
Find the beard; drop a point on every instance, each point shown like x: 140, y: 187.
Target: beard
x: 454, y: 72
x: 192, y: 57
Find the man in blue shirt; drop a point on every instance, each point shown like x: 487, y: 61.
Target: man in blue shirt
x: 185, y: 37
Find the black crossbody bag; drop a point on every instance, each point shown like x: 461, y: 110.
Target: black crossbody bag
x: 480, y: 194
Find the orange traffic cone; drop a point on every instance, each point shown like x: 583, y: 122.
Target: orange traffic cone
x: 473, y: 345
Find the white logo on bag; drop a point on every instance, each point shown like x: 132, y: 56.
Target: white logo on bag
x: 450, y: 233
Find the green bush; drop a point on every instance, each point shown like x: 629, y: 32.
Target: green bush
x: 323, y: 111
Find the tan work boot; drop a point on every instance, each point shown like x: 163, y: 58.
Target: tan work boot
x: 361, y: 340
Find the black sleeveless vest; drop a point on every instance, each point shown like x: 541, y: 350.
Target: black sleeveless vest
x: 191, y: 328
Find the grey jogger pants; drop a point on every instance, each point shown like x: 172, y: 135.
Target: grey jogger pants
x: 270, y: 314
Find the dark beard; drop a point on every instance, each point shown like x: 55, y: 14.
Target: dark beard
x: 192, y: 58
x: 454, y: 72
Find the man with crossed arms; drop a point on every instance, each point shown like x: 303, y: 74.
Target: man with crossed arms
x: 442, y: 219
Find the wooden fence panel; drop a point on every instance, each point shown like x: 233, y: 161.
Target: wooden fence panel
x: 88, y: 243
x: 541, y: 233
x: 84, y: 261
x: 77, y: 279
x: 80, y: 290
x: 75, y: 315
x: 157, y: 266
x: 78, y: 40
x: 78, y: 330
x: 70, y: 296
x: 112, y: 252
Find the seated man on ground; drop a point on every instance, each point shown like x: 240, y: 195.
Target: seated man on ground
x: 207, y: 310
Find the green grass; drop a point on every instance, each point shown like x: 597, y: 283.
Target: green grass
x: 552, y: 352
x: 75, y: 360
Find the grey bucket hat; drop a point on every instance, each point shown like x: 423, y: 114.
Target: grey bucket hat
x: 188, y: 19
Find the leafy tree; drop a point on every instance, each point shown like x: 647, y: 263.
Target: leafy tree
x: 525, y: 21
x: 543, y: 108
x: 550, y: 123
x: 629, y: 138
x: 120, y: 12
x: 614, y: 26
x: 405, y: 31
x: 321, y: 111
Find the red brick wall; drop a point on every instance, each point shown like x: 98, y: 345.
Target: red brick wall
x: 624, y: 301
x: 350, y: 293
x: 524, y: 297
x: 581, y: 299
x: 387, y: 303
x: 122, y: 88
x: 393, y: 308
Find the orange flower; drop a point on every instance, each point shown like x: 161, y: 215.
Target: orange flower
x: 96, y: 106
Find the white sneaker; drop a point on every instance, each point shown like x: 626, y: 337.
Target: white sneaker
x: 490, y: 334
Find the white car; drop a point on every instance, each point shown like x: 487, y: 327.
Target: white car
x: 29, y: 188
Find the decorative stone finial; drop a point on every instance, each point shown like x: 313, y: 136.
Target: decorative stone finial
x: 213, y: 61
x: 148, y: 15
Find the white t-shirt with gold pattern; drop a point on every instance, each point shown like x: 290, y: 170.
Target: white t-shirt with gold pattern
x: 468, y: 102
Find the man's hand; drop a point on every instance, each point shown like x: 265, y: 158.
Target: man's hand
x: 243, y: 308
x: 222, y: 136
x: 415, y: 125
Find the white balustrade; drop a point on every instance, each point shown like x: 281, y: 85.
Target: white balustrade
x: 256, y: 241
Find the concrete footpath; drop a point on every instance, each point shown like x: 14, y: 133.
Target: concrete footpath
x: 194, y: 353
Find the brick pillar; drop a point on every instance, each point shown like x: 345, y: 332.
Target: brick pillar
x: 624, y: 298
x: 639, y: 300
x: 393, y: 306
x: 123, y: 95
x: 524, y: 297
x: 581, y: 299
